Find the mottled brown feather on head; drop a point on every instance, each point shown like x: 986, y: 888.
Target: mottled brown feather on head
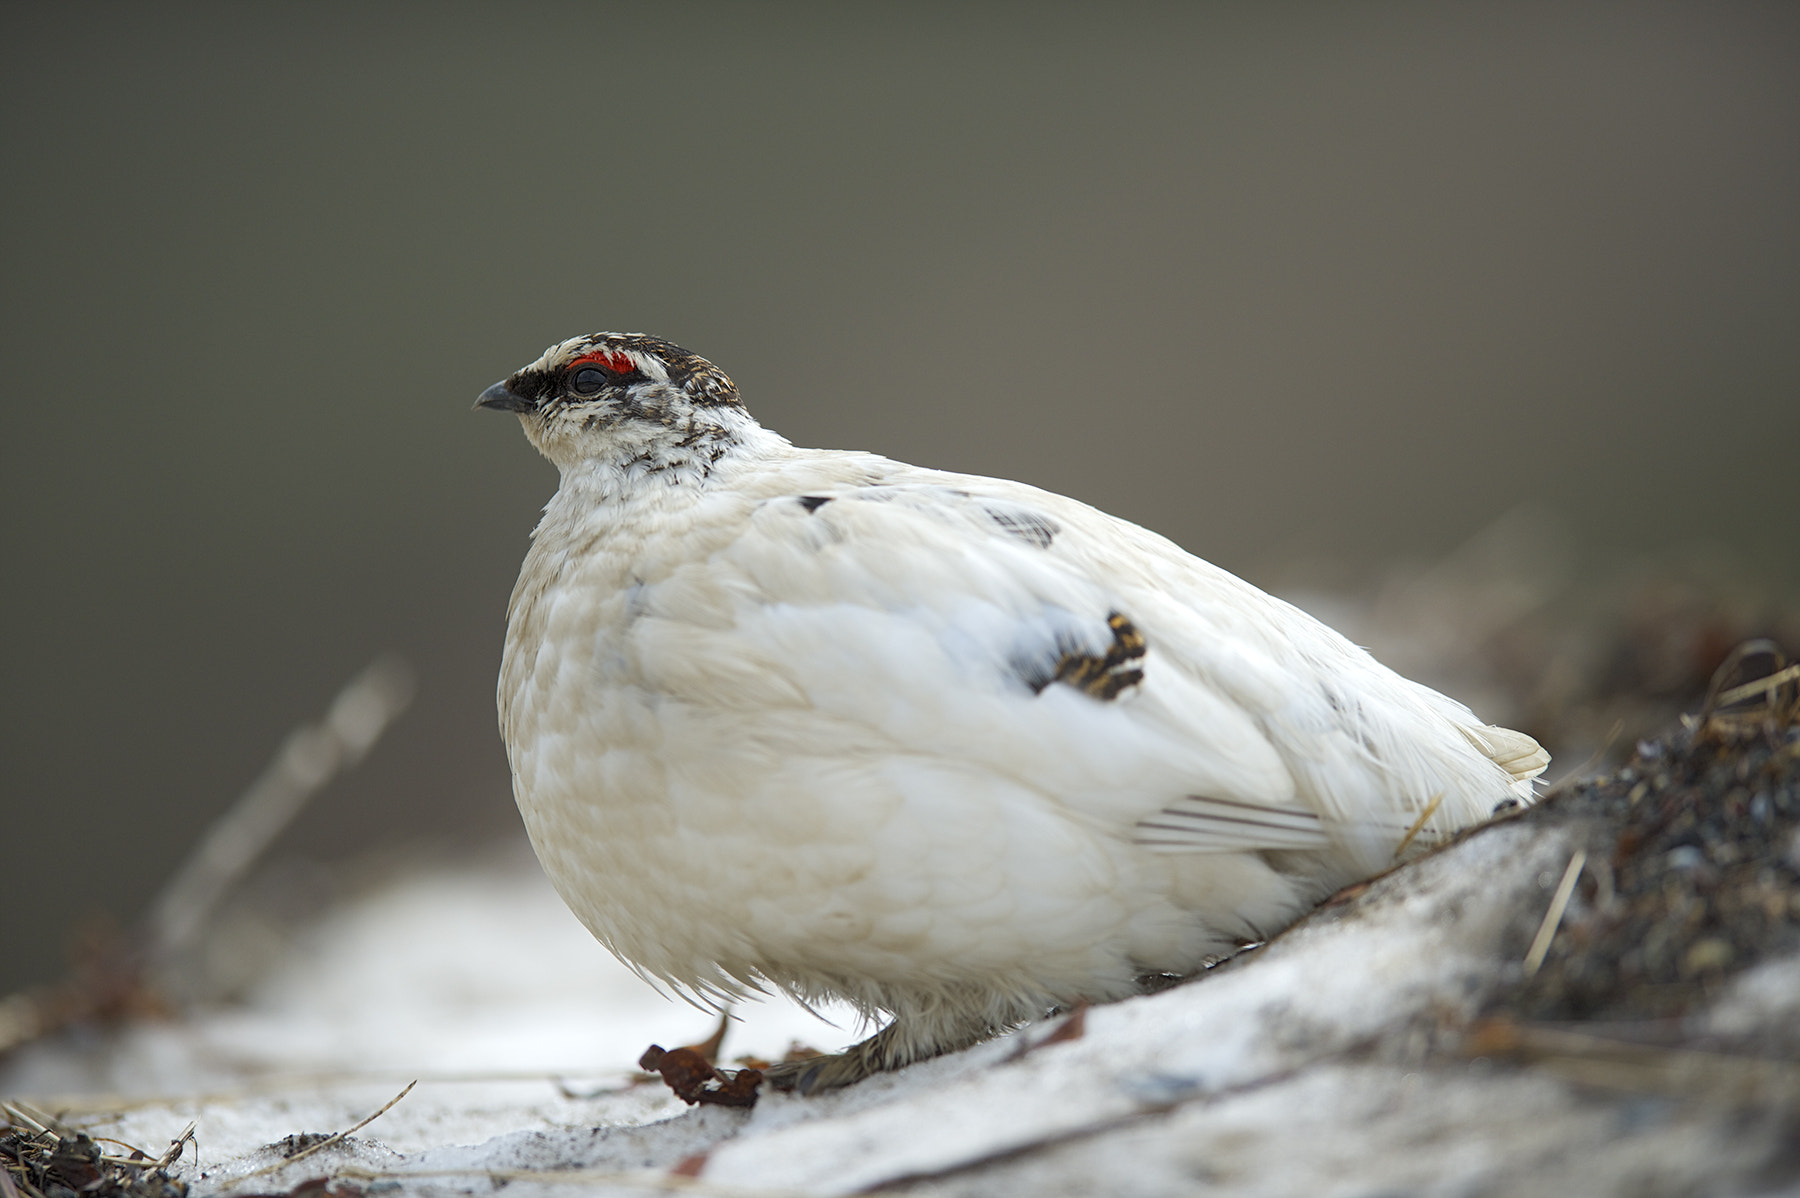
x: 703, y: 382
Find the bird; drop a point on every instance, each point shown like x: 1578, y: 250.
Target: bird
x: 953, y: 750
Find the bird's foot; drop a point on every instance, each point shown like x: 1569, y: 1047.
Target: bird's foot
x: 814, y: 1075
x: 893, y: 1047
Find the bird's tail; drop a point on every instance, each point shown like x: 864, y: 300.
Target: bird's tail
x: 1514, y: 752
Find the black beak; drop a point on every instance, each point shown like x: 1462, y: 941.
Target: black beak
x: 502, y: 397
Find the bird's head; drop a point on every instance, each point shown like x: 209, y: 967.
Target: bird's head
x: 621, y: 398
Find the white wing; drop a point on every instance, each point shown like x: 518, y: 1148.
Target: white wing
x: 988, y: 627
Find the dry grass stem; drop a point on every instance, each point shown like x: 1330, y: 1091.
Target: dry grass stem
x: 312, y: 756
x: 1630, y: 1067
x: 328, y: 1141
x: 1437, y: 801
x: 1559, y: 902
x: 1762, y: 686
x: 22, y: 1114
x: 178, y: 1143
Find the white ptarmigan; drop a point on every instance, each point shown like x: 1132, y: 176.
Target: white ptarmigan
x: 953, y: 749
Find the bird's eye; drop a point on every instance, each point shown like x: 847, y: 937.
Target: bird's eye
x: 588, y: 381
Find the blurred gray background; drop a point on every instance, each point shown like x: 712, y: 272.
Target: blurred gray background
x: 1284, y: 282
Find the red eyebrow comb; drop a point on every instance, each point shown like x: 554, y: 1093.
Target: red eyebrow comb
x: 613, y: 360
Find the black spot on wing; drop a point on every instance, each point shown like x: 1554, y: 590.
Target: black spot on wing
x: 1038, y: 670
x: 813, y: 503
x: 1104, y: 676
x: 1028, y: 526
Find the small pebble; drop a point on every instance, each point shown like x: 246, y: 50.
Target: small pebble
x: 1685, y: 857
x: 1707, y: 955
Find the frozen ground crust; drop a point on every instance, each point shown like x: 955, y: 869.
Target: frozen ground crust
x: 1334, y: 1061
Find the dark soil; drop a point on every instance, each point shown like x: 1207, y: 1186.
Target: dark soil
x: 1692, y: 872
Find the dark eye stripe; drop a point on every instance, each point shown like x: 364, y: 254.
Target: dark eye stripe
x: 588, y: 381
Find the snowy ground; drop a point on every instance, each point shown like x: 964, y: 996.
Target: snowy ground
x: 1337, y: 1060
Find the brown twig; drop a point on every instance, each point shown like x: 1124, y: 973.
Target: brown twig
x: 328, y: 1141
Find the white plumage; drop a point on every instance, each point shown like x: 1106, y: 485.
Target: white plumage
x: 954, y: 749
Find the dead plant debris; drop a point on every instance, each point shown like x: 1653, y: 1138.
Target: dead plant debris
x: 692, y: 1073
x: 696, y: 1080
x: 1690, y: 863
x: 1072, y: 1027
x: 43, y: 1159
